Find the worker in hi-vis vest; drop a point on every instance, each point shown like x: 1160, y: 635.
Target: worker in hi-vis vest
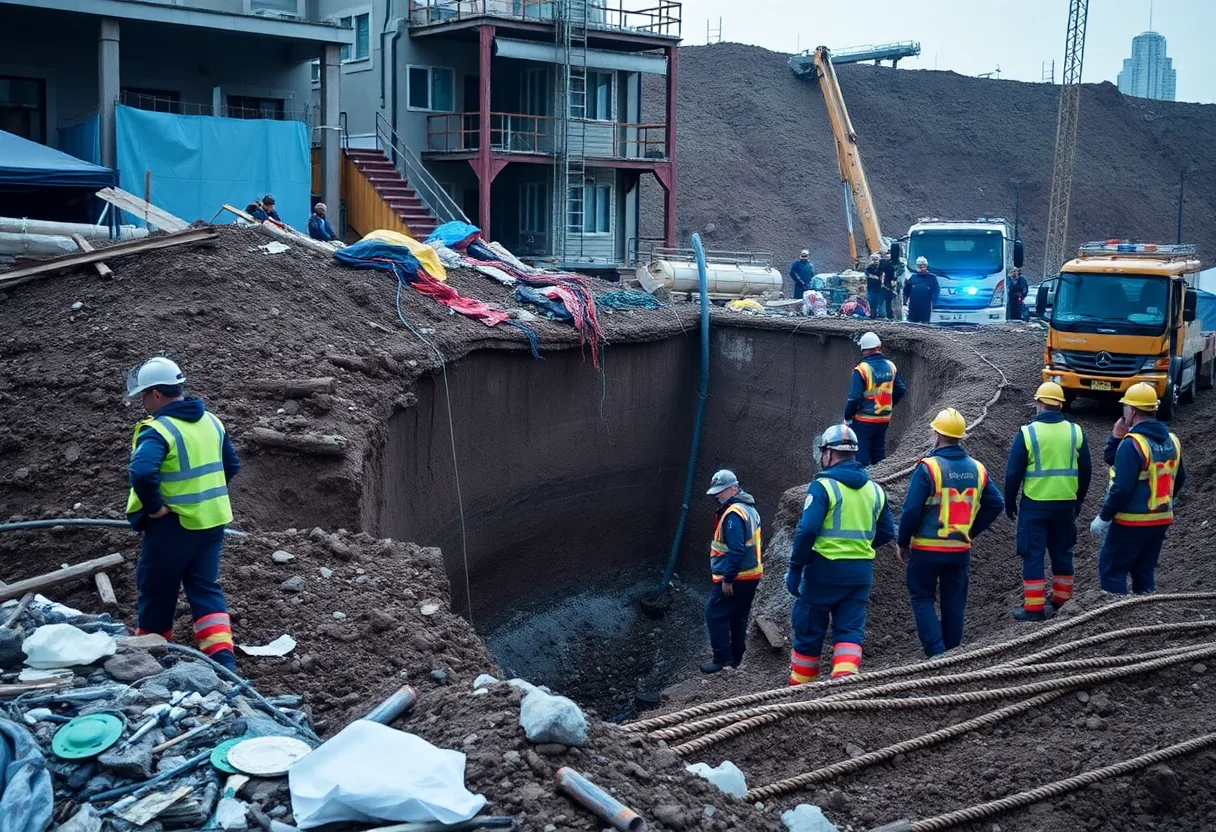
x: 181, y: 463
x: 845, y: 516
x: 1049, y: 461
x: 1148, y: 474
x: 875, y: 389
x: 736, y: 564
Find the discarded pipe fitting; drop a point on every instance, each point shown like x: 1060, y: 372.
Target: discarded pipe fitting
x: 601, y: 804
x: 393, y: 707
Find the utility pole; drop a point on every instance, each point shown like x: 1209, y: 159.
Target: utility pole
x: 1066, y: 139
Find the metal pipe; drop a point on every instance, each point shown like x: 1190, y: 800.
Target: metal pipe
x: 146, y: 786
x: 22, y: 225
x: 601, y: 804
x: 393, y: 707
x: 82, y: 521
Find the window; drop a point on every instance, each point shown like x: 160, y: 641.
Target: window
x: 591, y: 95
x: 431, y: 88
x: 598, y: 217
x: 534, y: 210
x: 158, y: 101
x: 316, y: 73
x: 243, y: 106
x: 535, y: 92
x: 361, y: 23
x: 23, y: 107
x: 280, y: 6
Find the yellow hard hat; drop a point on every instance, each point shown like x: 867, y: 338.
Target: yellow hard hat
x: 1141, y: 396
x: 950, y: 422
x: 1049, y: 391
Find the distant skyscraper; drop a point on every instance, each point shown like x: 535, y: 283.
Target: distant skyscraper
x: 1148, y: 73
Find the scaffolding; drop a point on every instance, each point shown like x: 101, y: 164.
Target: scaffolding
x: 571, y: 168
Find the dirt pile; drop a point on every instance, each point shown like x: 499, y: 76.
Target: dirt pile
x: 934, y: 144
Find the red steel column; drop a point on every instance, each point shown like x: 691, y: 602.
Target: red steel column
x: 485, y: 175
x: 669, y: 195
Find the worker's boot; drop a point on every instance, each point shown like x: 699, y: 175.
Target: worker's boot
x: 1023, y: 614
x: 710, y: 667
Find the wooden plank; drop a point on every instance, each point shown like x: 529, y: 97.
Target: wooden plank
x: 21, y: 607
x: 297, y: 388
x: 85, y: 258
x: 18, y: 688
x: 105, y: 589
x: 305, y: 443
x: 132, y: 204
x: 771, y: 634
x: 142, y: 811
x: 84, y: 245
x: 232, y: 209
x: 61, y: 576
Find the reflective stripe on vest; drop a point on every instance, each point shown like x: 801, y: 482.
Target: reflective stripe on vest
x: 878, y: 393
x: 851, y: 521
x: 752, y: 565
x: 1053, y: 466
x: 192, y: 480
x: 1152, y: 502
x: 947, y: 528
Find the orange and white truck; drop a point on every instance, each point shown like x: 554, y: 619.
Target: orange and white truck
x: 1122, y: 313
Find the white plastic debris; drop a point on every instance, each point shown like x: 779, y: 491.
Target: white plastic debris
x: 29, y: 674
x: 273, y: 247
x: 62, y: 645
x: 281, y: 646
x: 806, y: 818
x: 43, y: 605
x: 726, y: 777
x: 37, y: 714
x: 484, y: 680
x: 370, y: 772
x: 547, y: 718
x: 429, y: 608
x: 230, y: 813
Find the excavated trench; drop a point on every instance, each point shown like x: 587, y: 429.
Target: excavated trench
x: 572, y: 480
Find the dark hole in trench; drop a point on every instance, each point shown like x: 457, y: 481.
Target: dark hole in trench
x: 572, y: 481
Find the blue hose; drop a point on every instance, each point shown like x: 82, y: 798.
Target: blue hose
x: 702, y: 394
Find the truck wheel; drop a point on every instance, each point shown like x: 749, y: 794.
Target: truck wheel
x: 1169, y: 402
x: 1207, y: 378
x: 1187, y: 396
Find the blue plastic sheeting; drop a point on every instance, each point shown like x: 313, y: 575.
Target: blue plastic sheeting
x: 1205, y: 311
x: 82, y: 140
x: 451, y: 233
x: 30, y: 164
x: 198, y: 163
x: 372, y: 254
x: 27, y: 799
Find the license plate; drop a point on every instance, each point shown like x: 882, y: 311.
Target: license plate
x: 1099, y: 385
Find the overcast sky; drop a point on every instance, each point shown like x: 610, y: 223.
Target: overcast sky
x: 975, y: 36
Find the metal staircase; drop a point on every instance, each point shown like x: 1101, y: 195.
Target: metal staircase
x: 570, y: 176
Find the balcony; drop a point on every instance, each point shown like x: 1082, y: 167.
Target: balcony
x: 458, y: 135
x: 644, y: 18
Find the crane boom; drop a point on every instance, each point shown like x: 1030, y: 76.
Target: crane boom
x: 852, y: 175
x: 1055, y: 251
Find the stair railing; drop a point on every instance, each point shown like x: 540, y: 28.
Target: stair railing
x: 415, y: 174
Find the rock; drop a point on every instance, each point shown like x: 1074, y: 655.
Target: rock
x: 670, y: 815
x: 806, y: 818
x: 169, y: 763
x: 1095, y: 723
x: 1101, y: 704
x: 339, y: 615
x: 381, y: 621
x: 282, y: 557
x: 440, y: 676
x: 132, y: 665
x: 1082, y: 696
x: 1199, y: 667
x: 326, y: 572
x: 726, y: 777
x: 21, y: 474
x: 11, y: 654
x: 340, y: 549
x: 231, y: 814
x: 363, y: 579
x: 86, y: 819
x: 709, y: 811
x: 853, y: 750
x: 153, y: 693
x: 550, y: 828
x: 72, y: 452
x: 551, y: 749
x: 547, y: 718
x: 429, y: 608
x: 80, y: 775
x: 471, y: 739
x: 291, y: 407
x: 189, y: 676
x: 1161, y: 783
x: 512, y: 757
x: 98, y: 784
x: 131, y: 763
x: 484, y: 680
x: 637, y: 771
x: 294, y: 584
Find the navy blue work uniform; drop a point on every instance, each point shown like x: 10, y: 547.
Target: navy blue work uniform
x: 874, y: 390
x: 920, y: 296
x: 802, y: 272
x: 735, y: 558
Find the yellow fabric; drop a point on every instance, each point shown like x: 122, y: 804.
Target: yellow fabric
x: 425, y: 254
x: 745, y: 305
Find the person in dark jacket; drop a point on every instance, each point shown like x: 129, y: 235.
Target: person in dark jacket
x: 318, y: 224
x: 266, y: 211
x: 875, y: 389
x: 897, y: 291
x: 1018, y: 289
x: 181, y: 463
x: 921, y: 292
x: 845, y: 517
x: 736, y: 564
x: 802, y: 272
x: 1049, y: 461
x: 950, y: 502
x: 890, y: 285
x: 874, y: 292
x: 1147, y: 477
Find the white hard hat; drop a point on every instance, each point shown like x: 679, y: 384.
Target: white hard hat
x: 804, y: 253
x: 920, y: 261
x: 839, y: 438
x: 722, y: 480
x: 869, y: 341
x: 874, y: 256
x: 153, y: 372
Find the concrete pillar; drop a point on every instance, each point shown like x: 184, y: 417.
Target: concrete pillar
x: 217, y: 101
x: 108, y: 88
x: 485, y: 173
x: 331, y: 138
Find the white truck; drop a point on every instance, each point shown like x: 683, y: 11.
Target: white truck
x: 971, y: 259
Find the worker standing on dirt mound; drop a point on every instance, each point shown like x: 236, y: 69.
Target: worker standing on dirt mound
x: 1049, y: 461
x: 736, y: 564
x: 802, y: 272
x: 920, y: 293
x: 844, y: 518
x: 181, y: 463
x: 1148, y: 474
x: 950, y: 502
x: 874, y: 391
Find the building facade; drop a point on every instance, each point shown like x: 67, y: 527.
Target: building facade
x: 1148, y: 73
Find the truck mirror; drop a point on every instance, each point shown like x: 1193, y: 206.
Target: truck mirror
x: 896, y: 251
x: 1019, y: 253
x: 1190, y: 306
x: 1040, y: 300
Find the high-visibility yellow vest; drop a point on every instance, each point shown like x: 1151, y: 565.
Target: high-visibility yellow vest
x: 1053, y: 460
x: 752, y: 565
x: 878, y: 395
x: 1152, y: 502
x: 953, y: 505
x: 192, y: 481
x: 851, y: 521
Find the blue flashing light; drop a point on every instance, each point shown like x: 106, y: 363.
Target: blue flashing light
x: 971, y: 290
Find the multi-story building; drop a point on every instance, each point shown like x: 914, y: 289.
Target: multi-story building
x: 1148, y: 73
x: 523, y: 116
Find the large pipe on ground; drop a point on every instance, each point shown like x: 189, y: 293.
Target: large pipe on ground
x: 21, y: 225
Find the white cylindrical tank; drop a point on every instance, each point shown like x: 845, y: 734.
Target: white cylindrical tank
x: 735, y: 279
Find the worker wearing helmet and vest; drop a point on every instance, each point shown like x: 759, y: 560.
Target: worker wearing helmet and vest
x: 844, y: 518
x: 736, y: 563
x: 875, y: 389
x: 1049, y: 461
x: 950, y: 502
x: 181, y: 463
x: 1148, y: 474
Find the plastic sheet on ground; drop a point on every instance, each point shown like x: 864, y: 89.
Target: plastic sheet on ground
x: 746, y: 305
x: 62, y: 645
x: 452, y: 233
x: 726, y: 777
x: 423, y: 252
x: 370, y: 772
x: 281, y: 646
x: 27, y: 799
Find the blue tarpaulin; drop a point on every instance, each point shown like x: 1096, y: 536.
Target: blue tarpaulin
x: 198, y: 163
x: 1205, y: 312
x: 30, y: 164
x: 82, y: 140
x: 27, y: 800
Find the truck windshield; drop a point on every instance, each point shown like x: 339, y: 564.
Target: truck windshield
x: 958, y: 253
x: 1133, y: 304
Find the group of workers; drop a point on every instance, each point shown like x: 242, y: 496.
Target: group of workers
x: 319, y: 227
x: 951, y: 500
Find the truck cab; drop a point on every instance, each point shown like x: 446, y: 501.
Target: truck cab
x: 971, y: 259
x: 1124, y: 313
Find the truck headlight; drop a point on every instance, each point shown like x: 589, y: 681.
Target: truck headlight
x: 1057, y: 357
x: 998, y: 295
x: 1156, y: 363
